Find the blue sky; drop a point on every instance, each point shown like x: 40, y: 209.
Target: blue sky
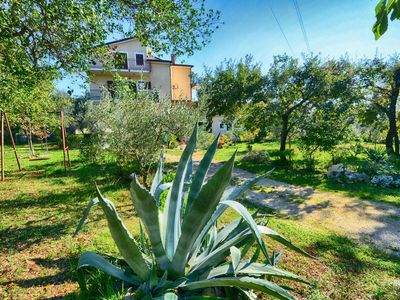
x: 334, y: 28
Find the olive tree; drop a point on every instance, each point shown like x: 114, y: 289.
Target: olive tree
x: 133, y: 129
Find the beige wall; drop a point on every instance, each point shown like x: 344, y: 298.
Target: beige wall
x: 160, y: 77
x: 100, y: 80
x: 181, y: 82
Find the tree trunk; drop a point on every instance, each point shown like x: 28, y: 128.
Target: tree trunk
x: 392, y: 137
x: 30, y: 142
x: 284, y: 135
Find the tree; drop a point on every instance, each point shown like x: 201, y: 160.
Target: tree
x: 41, y: 40
x: 380, y: 79
x: 382, y: 11
x: 133, y: 129
x: 229, y: 86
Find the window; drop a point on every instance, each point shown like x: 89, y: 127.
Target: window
x: 139, y: 57
x: 141, y: 85
x: 111, y: 88
x: 120, y: 60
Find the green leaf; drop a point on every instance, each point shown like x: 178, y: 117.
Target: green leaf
x: 235, y: 256
x: 201, y: 172
x: 167, y: 296
x: 158, y: 177
x: 91, y: 259
x: 281, y: 239
x: 91, y: 203
x: 126, y: 245
x: 229, y: 195
x: 381, y: 23
x: 261, y: 285
x: 148, y: 212
x: 254, y: 269
x: 173, y: 205
x: 199, y: 213
x: 252, y: 224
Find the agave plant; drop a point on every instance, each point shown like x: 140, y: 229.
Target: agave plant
x: 185, y: 254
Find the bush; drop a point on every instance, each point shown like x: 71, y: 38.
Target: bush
x: 276, y: 154
x: 178, y: 258
x: 205, y: 138
x: 377, y: 163
x: 256, y: 157
x: 132, y: 130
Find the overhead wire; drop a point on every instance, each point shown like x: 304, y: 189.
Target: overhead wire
x: 281, y: 29
x: 303, y: 28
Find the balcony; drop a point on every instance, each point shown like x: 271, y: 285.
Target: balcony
x: 130, y: 67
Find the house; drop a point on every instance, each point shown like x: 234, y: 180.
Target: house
x: 146, y: 72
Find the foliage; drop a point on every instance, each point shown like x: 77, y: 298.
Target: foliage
x: 383, y: 9
x: 377, y: 163
x: 380, y: 80
x: 204, y: 139
x: 256, y: 157
x: 133, y: 129
x: 230, y: 85
x: 178, y: 258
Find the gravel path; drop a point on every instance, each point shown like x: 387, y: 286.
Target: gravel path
x: 370, y: 222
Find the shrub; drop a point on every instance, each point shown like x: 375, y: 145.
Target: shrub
x: 204, y: 139
x: 133, y: 129
x: 256, y: 157
x: 377, y: 163
x: 178, y: 259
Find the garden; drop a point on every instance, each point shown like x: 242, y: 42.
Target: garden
x: 281, y: 180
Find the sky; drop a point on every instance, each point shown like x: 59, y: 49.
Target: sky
x: 333, y: 27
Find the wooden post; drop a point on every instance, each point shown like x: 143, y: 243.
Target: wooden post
x: 2, y: 146
x: 12, y: 141
x: 63, y: 139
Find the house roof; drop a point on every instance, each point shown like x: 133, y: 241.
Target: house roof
x: 120, y: 41
x: 153, y: 58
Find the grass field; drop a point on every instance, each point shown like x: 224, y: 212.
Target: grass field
x: 40, y: 208
x: 296, y: 174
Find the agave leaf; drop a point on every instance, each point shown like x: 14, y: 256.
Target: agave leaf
x: 91, y: 203
x: 253, y: 269
x: 252, y: 225
x: 148, y: 212
x: 199, y: 214
x: 261, y: 285
x: 240, y: 190
x: 236, y: 256
x: 158, y: 177
x: 218, y: 255
x: 281, y: 239
x: 229, y: 195
x: 91, y: 259
x: 126, y: 245
x: 201, y: 173
x: 255, y: 256
x: 167, y: 296
x: 161, y: 188
x: 172, y: 209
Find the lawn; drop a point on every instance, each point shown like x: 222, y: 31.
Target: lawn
x: 296, y: 173
x: 40, y: 208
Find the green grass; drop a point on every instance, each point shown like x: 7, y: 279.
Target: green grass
x: 40, y: 208
x: 298, y: 175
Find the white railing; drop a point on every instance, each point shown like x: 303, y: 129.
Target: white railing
x: 131, y: 66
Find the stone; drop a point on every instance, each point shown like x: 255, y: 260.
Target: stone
x: 396, y: 183
x: 357, y: 177
x: 382, y: 180
x: 336, y: 171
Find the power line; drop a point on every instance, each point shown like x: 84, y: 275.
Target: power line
x: 281, y: 29
x: 303, y: 28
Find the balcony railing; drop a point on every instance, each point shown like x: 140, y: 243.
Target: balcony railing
x: 130, y: 67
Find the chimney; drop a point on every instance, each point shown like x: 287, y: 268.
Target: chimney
x: 172, y: 58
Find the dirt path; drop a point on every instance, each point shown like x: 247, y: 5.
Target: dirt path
x: 376, y: 223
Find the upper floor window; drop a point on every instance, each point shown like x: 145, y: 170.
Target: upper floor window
x: 139, y: 58
x: 120, y: 60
